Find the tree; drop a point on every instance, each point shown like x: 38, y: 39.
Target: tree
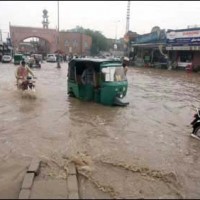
x: 99, y: 41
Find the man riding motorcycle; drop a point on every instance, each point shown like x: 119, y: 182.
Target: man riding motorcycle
x: 21, y: 75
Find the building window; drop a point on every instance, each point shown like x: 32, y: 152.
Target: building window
x: 85, y: 45
x: 66, y: 43
x: 75, y: 43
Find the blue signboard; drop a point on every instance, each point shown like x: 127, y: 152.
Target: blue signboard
x: 154, y: 37
x: 184, y: 41
x: 189, y: 37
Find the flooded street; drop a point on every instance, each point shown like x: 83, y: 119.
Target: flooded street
x: 141, y: 151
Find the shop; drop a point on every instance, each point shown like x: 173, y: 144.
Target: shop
x: 183, y: 48
x: 149, y: 49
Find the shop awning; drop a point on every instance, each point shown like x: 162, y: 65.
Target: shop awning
x: 149, y: 45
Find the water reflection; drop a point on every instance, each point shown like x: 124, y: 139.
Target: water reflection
x: 91, y: 113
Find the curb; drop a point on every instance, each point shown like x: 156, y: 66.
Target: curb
x: 27, y: 183
x: 33, y: 170
x: 72, y: 182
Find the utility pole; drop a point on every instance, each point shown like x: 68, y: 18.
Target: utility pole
x: 58, y: 15
x: 128, y: 16
x: 58, y: 58
x: 126, y: 50
x: 116, y: 28
x: 115, y: 43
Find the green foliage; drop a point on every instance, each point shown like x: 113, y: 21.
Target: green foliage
x: 99, y: 41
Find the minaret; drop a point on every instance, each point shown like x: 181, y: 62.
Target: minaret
x: 128, y: 16
x: 45, y: 21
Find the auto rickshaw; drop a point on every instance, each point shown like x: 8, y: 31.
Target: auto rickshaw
x: 109, y: 83
x: 18, y: 58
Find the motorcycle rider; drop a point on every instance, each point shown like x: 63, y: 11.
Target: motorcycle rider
x: 21, y: 75
x: 196, y: 124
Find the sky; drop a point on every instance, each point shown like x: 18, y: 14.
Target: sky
x: 108, y: 17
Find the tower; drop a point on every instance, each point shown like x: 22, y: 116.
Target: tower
x: 128, y: 16
x: 126, y: 36
x: 45, y: 21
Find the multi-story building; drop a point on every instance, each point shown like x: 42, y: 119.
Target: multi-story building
x: 75, y: 43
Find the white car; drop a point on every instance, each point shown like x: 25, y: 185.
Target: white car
x: 6, y: 59
x: 51, y: 58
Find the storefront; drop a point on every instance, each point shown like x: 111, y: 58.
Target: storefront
x: 150, y: 48
x: 183, y: 47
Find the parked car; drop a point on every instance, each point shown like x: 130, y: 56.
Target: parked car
x: 51, y: 58
x: 6, y: 59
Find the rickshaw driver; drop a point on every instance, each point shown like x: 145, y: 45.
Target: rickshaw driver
x: 88, y: 75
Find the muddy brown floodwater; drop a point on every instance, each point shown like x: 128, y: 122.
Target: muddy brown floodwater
x: 141, y: 151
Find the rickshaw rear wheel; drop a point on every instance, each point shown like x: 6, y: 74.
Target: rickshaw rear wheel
x: 71, y: 94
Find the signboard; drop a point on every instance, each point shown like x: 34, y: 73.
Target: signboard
x: 189, y: 37
x: 153, y: 37
x: 183, y: 48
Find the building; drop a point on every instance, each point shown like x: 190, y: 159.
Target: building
x: 5, y: 49
x: 149, y: 49
x: 75, y: 43
x: 115, y: 47
x: 183, y: 46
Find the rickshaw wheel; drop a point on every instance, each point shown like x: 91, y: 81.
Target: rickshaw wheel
x: 71, y: 94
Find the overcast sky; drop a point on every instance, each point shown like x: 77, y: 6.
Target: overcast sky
x: 108, y: 17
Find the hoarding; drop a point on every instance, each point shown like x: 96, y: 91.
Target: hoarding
x: 185, y: 37
x: 153, y: 37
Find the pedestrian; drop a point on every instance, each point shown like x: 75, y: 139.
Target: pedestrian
x: 125, y: 64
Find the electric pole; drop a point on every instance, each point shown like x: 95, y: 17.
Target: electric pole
x: 127, y: 28
x: 58, y: 57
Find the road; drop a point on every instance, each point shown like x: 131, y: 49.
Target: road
x: 141, y: 151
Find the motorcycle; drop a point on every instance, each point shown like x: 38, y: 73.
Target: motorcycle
x: 196, y: 125
x: 28, y: 84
